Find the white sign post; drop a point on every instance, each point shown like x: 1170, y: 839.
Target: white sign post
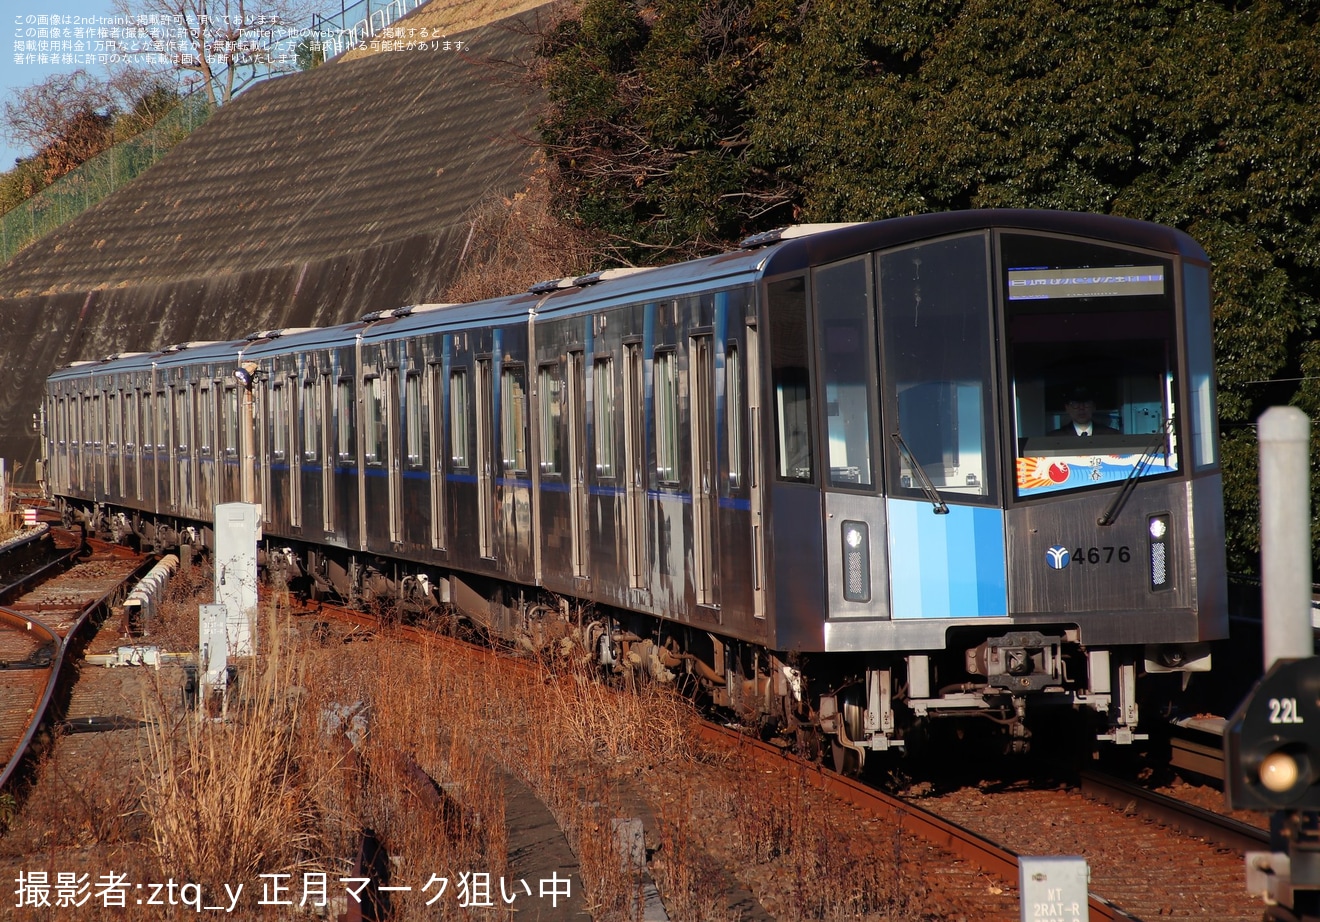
x: 237, y: 531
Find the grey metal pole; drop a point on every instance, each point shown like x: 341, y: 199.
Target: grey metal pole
x: 1285, y: 533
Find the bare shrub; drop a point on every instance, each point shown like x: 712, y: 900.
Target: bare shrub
x: 516, y: 241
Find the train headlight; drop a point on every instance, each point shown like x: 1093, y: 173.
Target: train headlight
x: 856, y: 562
x: 1272, y: 744
x: 1160, y: 562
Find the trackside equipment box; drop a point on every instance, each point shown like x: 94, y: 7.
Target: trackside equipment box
x: 1054, y: 888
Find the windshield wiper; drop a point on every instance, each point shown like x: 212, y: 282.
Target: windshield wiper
x: 932, y: 494
x: 1116, y: 505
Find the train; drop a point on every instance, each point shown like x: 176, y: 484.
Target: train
x: 836, y: 480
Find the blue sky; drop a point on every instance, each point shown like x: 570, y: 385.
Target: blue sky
x: 20, y: 16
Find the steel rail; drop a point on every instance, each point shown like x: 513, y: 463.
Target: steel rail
x: 985, y: 855
x: 62, y: 558
x: 62, y: 646
x: 1186, y: 818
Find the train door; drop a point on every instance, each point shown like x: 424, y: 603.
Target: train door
x: 345, y: 470
x: 309, y: 445
x: 941, y: 455
x: 178, y: 442
x: 114, y: 450
x: 204, y: 497
x: 161, y: 407
x: 413, y: 491
x: 76, y: 424
x: 634, y: 464
x: 229, y: 453
x: 265, y: 450
x: 146, y: 446
x: 100, y: 476
x: 436, y: 389
x: 393, y: 421
x: 294, y: 450
x: 326, y: 399
x: 133, y: 441
x: 485, y: 456
x: 855, y: 526
x: 577, y: 460
x: 701, y: 419
x: 755, y: 473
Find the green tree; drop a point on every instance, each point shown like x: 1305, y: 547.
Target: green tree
x: 1200, y: 114
x: 648, y: 122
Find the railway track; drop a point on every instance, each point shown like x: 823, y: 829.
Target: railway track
x: 1183, y: 858
x: 979, y: 855
x: 42, y: 612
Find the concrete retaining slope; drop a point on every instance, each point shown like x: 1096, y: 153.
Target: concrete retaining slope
x: 308, y: 200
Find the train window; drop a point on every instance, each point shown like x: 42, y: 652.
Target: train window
x: 112, y: 419
x: 205, y: 420
x: 550, y: 391
x: 130, y: 421
x: 936, y: 301
x: 603, y: 404
x: 436, y: 392
x: 98, y: 421
x: 162, y: 422
x: 412, y: 398
x: 148, y: 417
x: 1091, y: 341
x: 790, y: 378
x: 231, y: 413
x: 845, y: 343
x: 279, y: 422
x: 1200, y: 365
x: 733, y: 401
x: 311, y: 419
x: 373, y: 419
x: 182, y: 420
x: 513, y: 418
x: 345, y: 436
x: 458, y: 418
x: 666, y: 417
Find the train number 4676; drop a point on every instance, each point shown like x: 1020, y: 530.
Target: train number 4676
x: 1102, y: 554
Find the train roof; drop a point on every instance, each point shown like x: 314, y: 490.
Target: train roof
x: 772, y: 254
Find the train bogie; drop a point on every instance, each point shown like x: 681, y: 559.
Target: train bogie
x: 853, y: 477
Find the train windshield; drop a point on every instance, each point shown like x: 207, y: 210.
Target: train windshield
x: 938, y: 348
x: 1091, y: 356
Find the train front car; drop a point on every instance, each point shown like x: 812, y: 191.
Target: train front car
x: 994, y: 467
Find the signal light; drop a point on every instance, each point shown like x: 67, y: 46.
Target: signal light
x: 1279, y: 772
x: 1272, y: 746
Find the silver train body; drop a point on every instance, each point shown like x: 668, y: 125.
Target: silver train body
x: 821, y: 474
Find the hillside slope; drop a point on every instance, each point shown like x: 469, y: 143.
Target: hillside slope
x: 309, y: 200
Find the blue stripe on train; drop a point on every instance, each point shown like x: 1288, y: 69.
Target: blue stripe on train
x: 946, y: 566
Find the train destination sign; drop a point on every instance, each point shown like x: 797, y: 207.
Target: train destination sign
x: 1039, y: 284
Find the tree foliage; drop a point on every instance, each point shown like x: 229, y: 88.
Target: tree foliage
x: 67, y: 119
x: 683, y: 124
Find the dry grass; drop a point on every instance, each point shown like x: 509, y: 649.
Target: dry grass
x: 226, y: 797
x: 279, y: 787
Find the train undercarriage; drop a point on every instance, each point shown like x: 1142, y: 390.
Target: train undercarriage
x: 848, y: 707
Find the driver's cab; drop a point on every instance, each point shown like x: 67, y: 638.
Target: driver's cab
x: 1091, y: 341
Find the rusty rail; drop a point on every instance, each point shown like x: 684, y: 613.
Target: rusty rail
x: 45, y: 622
